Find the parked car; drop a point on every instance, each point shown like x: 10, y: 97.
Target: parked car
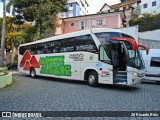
x: 12, y: 66
x: 152, y: 65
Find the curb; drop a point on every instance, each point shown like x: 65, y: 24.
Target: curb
x: 5, y: 80
x: 3, y: 69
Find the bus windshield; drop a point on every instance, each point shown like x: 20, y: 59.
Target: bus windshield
x: 132, y: 52
x: 135, y: 58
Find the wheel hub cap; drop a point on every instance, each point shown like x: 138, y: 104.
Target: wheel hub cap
x: 91, y: 78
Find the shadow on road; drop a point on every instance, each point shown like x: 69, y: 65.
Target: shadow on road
x: 120, y: 87
x: 101, y: 86
x: 150, y: 83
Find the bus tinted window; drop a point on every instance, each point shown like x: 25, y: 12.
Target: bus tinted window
x: 85, y: 43
x: 104, y: 37
x: 52, y: 47
x: 68, y: 45
x: 155, y: 62
x: 41, y: 48
x: 33, y: 49
x: 125, y: 35
x: 22, y: 50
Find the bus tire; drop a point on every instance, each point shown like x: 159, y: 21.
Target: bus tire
x: 92, y: 79
x: 33, y: 73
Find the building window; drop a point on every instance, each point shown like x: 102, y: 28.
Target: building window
x: 116, y: 10
x: 154, y: 3
x: 72, y: 24
x: 71, y: 5
x: 145, y: 5
x: 70, y: 13
x: 82, y: 25
x: 99, y: 22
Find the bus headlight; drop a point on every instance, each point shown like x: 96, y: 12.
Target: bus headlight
x: 141, y: 75
x: 137, y: 74
x: 134, y: 73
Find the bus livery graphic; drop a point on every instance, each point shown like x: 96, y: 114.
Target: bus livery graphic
x: 26, y: 56
x: 29, y: 61
x: 54, y: 65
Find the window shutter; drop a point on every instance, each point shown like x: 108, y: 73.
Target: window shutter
x: 104, y: 21
x: 93, y: 22
x: 79, y: 25
x: 88, y: 24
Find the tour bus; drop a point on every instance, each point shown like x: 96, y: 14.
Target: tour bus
x: 97, y: 55
x: 152, y: 65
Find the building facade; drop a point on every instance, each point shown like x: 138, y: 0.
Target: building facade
x: 149, y: 6
x: 76, y: 8
x: 100, y: 20
x: 129, y: 8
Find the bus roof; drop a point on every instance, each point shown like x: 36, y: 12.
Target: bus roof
x: 73, y: 34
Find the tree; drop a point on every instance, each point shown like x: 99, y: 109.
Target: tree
x: 3, y: 33
x: 124, y: 0
x: 147, y: 22
x: 43, y: 12
x: 14, y: 34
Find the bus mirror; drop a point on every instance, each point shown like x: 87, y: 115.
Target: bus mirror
x: 144, y: 47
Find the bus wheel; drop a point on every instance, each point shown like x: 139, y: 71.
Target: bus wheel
x: 33, y: 73
x: 92, y: 79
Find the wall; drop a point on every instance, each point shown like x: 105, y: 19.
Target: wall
x: 132, y: 31
x: 111, y: 22
x: 150, y: 39
x: 152, y: 35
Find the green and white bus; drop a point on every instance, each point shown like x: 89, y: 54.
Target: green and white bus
x: 98, y: 55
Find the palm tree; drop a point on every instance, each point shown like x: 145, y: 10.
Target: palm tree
x: 3, y: 33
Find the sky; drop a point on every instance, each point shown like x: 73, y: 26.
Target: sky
x: 95, y: 5
x: 1, y: 9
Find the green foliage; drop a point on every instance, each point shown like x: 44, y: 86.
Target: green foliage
x: 43, y: 12
x: 147, y: 22
x: 14, y: 32
x: 30, y: 34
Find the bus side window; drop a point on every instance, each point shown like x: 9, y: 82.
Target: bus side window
x: 155, y: 62
x: 68, y: 45
x: 33, y: 49
x: 56, y: 47
x: 41, y: 48
x: 22, y: 50
x: 85, y: 43
x: 128, y: 36
x: 52, y: 47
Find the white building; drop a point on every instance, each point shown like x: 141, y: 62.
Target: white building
x: 149, y: 6
x: 76, y: 8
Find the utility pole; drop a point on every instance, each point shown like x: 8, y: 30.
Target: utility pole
x: 20, y: 41
x: 3, y: 34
